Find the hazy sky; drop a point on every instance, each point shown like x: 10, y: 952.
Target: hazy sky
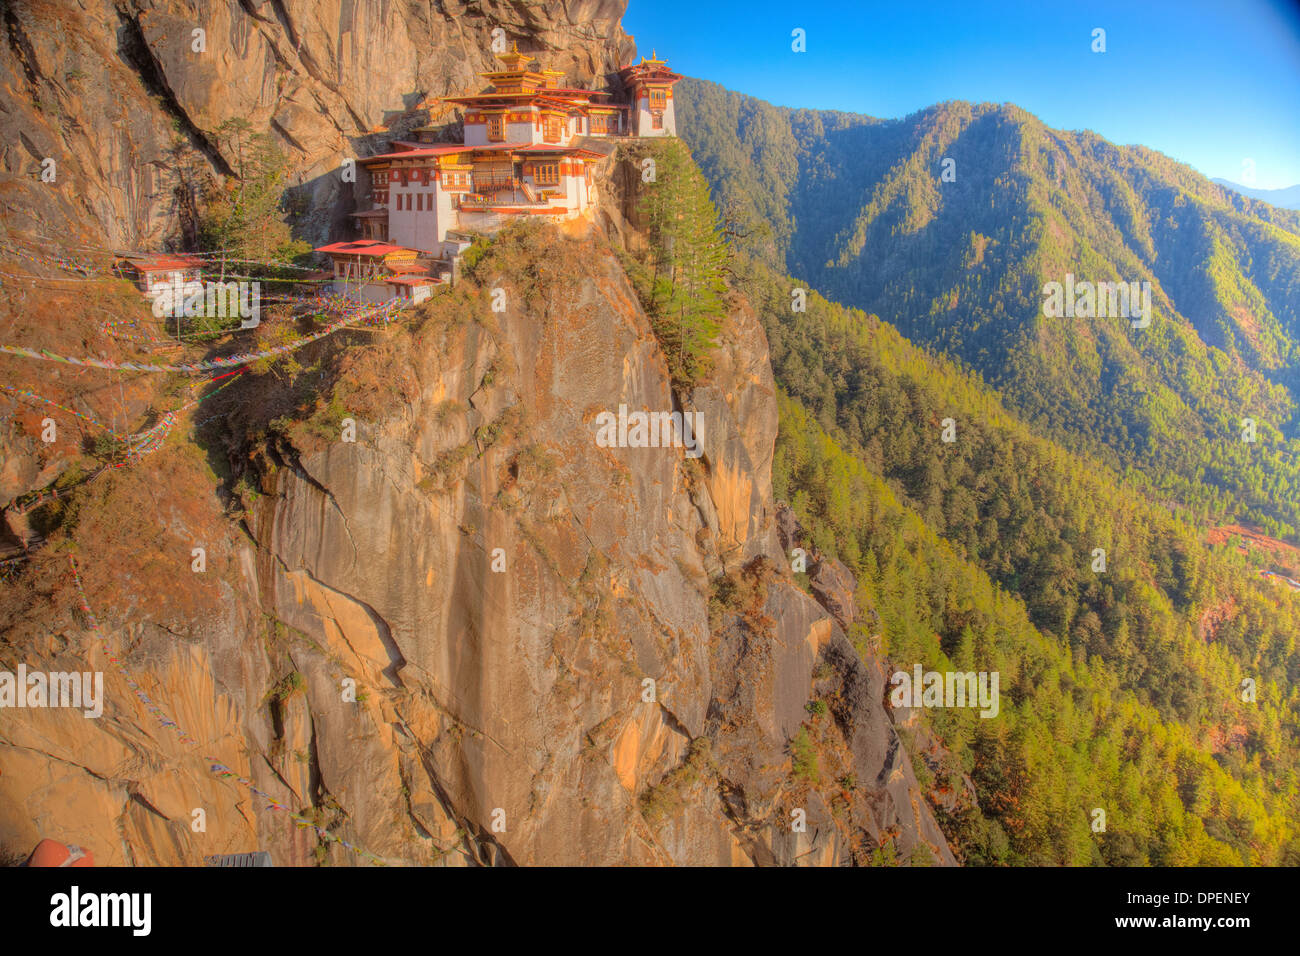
x: 1210, y: 84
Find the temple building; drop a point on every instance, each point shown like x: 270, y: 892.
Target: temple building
x: 650, y: 83
x: 530, y: 147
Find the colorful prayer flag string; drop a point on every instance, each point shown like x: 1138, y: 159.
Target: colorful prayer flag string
x: 380, y: 313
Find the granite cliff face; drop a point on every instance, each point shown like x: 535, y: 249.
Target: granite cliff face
x: 498, y: 587
x: 120, y: 96
x: 466, y: 633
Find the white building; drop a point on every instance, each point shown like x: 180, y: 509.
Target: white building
x: 521, y: 155
x: 650, y: 84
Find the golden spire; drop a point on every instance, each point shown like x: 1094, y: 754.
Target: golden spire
x: 515, y: 60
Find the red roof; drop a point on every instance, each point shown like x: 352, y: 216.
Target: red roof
x: 411, y: 280
x: 432, y: 151
x: 407, y: 145
x: 424, y: 152
x: 165, y: 263
x: 362, y: 247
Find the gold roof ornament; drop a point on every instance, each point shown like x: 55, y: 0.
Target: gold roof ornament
x: 514, y: 60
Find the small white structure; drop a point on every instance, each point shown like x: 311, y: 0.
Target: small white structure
x: 414, y: 289
x: 154, y: 273
x: 373, y: 272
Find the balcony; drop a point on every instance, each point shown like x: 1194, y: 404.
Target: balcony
x: 497, y: 190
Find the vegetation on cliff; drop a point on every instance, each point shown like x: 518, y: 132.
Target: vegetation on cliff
x: 680, y: 277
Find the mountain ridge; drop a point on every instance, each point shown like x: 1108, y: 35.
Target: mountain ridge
x: 863, y: 214
x: 1288, y: 197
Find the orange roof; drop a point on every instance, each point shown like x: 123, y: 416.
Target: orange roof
x: 164, y: 262
x: 362, y: 247
x: 432, y: 151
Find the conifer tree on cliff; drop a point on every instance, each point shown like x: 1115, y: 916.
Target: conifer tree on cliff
x: 688, y: 254
x: 243, y: 216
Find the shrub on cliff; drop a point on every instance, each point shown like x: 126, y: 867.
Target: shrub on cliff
x: 244, y: 216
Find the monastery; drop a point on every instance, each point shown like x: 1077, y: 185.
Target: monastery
x: 526, y: 152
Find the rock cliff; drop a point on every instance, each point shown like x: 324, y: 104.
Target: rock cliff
x: 435, y: 618
x: 127, y: 99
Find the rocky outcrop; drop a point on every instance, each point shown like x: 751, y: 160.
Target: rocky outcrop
x: 436, y: 619
x: 475, y: 635
x: 127, y: 98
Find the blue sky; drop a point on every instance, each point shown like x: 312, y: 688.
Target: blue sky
x: 1210, y: 84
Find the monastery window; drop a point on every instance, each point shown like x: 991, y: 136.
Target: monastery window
x: 657, y: 119
x: 658, y: 99
x: 547, y: 174
x: 599, y: 122
x: 553, y: 129
x: 496, y: 128
x: 419, y: 202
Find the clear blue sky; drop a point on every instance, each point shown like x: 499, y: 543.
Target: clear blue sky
x: 1211, y: 84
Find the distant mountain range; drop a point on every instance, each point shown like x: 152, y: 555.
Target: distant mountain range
x: 1288, y: 198
x: 859, y: 208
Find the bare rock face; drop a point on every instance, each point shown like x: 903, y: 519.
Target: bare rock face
x: 475, y: 636
x: 127, y: 98
x: 833, y: 586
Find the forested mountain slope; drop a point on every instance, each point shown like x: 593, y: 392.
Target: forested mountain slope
x: 981, y: 553
x: 859, y: 209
